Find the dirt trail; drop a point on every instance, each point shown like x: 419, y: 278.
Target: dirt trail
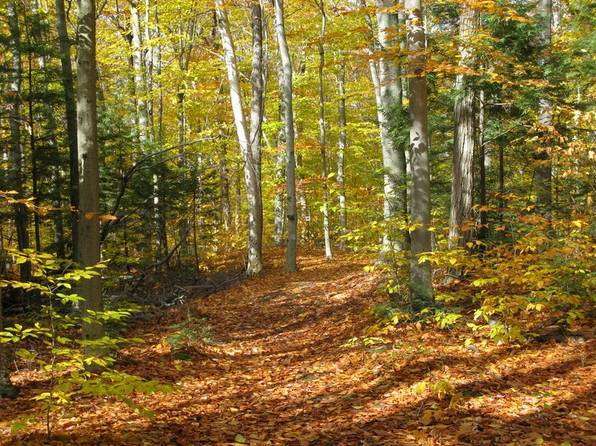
x: 278, y: 371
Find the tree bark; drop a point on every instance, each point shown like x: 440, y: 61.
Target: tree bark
x: 253, y: 158
x: 543, y: 169
x: 139, y: 78
x: 248, y: 137
x: 279, y: 208
x: 33, y: 150
x: 464, y: 141
x: 288, y: 115
x: 89, y: 289
x: 420, y: 272
x: 341, y: 148
x: 482, y: 163
x: 224, y: 186
x: 388, y: 98
x: 71, y: 122
x: 323, y: 133
x: 16, y: 152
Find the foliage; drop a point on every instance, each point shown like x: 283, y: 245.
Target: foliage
x: 73, y: 366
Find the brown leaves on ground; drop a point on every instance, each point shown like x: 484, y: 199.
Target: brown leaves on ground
x: 279, y: 370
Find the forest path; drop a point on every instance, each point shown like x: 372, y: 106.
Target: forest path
x: 279, y: 369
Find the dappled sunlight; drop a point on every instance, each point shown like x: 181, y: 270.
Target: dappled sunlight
x: 278, y: 370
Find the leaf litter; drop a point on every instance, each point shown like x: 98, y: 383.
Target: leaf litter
x: 282, y: 368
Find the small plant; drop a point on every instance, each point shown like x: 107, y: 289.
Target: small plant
x: 188, y: 332
x: 74, y: 366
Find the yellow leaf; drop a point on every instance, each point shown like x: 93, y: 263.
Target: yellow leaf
x: 427, y: 417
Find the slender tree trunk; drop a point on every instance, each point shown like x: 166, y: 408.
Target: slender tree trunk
x: 183, y: 229
x: 89, y: 289
x: 341, y: 148
x: 149, y: 66
x: 253, y: 156
x: 224, y: 181
x: 33, y: 150
x: 16, y: 153
x: 248, y: 137
x: 279, y: 208
x: 288, y: 115
x: 501, y: 180
x: 139, y: 78
x: 152, y: 65
x: 482, y: 163
x: 71, y: 122
x: 463, y: 144
x: 543, y: 169
x: 238, y: 199
x: 389, y: 97
x: 323, y: 132
x: 420, y: 272
x: 57, y: 181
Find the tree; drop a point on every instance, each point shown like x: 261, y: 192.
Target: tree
x: 464, y: 140
x: 543, y: 169
x: 388, y: 93
x: 420, y: 272
x: 71, y: 121
x: 342, y: 144
x: 89, y: 237
x: 248, y: 131
x: 288, y: 116
x: 16, y: 152
x: 323, y: 131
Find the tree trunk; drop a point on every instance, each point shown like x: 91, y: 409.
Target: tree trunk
x: 183, y: 228
x: 543, y: 169
x: 248, y: 138
x: 323, y: 132
x: 482, y: 163
x: 224, y: 186
x: 279, y: 209
x: 57, y: 181
x: 341, y: 148
x: 71, y: 122
x: 288, y: 115
x: 463, y: 144
x: 253, y: 156
x: 388, y: 98
x: 139, y: 78
x: 420, y: 272
x: 501, y: 180
x: 16, y: 153
x: 89, y: 289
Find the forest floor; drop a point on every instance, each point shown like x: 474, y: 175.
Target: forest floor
x: 289, y: 361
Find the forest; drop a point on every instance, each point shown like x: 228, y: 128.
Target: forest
x: 299, y: 222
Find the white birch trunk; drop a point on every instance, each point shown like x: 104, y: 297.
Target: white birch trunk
x: 341, y: 148
x: 323, y: 134
x: 139, y: 78
x: 388, y: 93
x: 248, y: 137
